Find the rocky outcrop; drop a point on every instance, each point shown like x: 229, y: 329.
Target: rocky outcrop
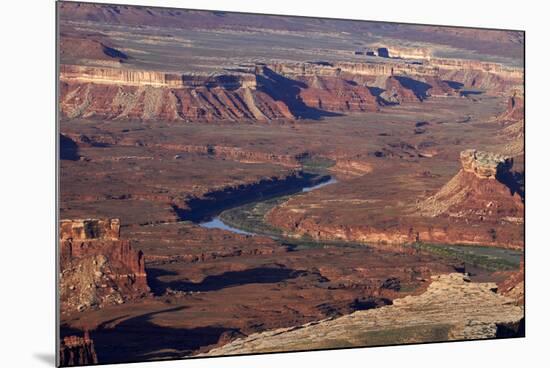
x: 485, y: 165
x: 89, y: 229
x: 97, y: 268
x: 76, y: 350
x: 453, y: 308
x: 477, y: 192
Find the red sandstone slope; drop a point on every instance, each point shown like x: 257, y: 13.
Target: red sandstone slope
x: 102, y: 101
x: 403, y: 89
x: 482, y: 195
x: 337, y: 94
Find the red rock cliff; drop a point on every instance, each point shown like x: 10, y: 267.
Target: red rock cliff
x: 97, y: 268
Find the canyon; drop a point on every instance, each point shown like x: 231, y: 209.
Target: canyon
x: 265, y: 92
x: 234, y: 184
x: 474, y: 195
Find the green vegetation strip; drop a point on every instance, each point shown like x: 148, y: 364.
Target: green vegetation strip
x: 489, y: 258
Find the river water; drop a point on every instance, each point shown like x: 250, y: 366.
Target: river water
x: 217, y: 223
x: 510, y: 257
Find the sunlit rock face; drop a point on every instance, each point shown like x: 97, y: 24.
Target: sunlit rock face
x: 485, y: 165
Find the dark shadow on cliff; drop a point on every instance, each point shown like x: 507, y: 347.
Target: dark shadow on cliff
x: 68, y: 149
x: 260, y: 275
x: 454, y: 84
x: 138, y: 339
x: 420, y: 89
x: 515, y: 181
x: 287, y: 90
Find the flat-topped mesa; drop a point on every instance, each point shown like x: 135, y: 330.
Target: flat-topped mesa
x: 136, y: 77
x: 88, y: 229
x: 485, y: 165
x: 404, y: 52
x: 356, y: 68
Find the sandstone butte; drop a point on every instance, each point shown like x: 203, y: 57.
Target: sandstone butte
x: 485, y: 164
x: 452, y: 308
x: 477, y: 191
x: 97, y: 267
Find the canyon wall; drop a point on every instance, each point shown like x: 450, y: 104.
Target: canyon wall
x: 279, y: 91
x: 97, y: 268
x: 157, y: 96
x: 136, y: 77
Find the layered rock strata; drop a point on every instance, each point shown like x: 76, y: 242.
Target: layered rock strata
x: 264, y: 92
x: 453, y: 308
x: 476, y: 193
x: 97, y: 268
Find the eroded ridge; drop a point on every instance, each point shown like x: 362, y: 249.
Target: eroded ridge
x: 453, y: 308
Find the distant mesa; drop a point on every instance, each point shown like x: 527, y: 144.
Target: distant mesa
x: 91, y: 49
x: 383, y: 52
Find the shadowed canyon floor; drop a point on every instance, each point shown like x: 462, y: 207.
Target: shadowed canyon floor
x: 230, y: 185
